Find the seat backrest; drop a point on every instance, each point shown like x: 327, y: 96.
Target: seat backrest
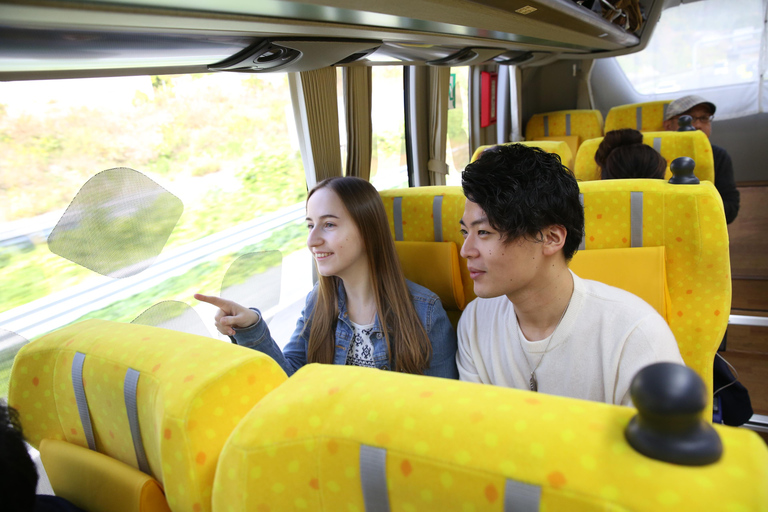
x: 346, y: 438
x: 99, y: 482
x: 560, y: 148
x: 689, y: 222
x: 431, y: 214
x: 643, y: 117
x: 670, y: 145
x: 585, y: 124
x: 154, y: 399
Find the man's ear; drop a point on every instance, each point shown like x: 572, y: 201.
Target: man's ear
x: 554, y: 239
x: 670, y: 125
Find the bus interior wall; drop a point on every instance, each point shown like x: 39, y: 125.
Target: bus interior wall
x: 549, y: 88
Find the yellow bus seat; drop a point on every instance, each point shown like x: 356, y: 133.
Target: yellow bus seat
x: 689, y: 222
x: 560, y: 148
x: 190, y: 393
x: 431, y: 214
x: 434, y: 265
x: 643, y: 117
x: 94, y: 481
x: 647, y: 280
x: 584, y: 124
x: 335, y: 438
x: 670, y: 145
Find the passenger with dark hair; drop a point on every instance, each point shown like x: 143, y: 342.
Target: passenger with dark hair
x: 622, y: 155
x: 535, y: 324
x: 362, y: 312
x: 18, y: 475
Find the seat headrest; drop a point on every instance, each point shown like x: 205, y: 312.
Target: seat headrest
x: 188, y: 394
x: 100, y: 482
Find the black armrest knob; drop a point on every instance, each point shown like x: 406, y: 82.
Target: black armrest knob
x: 682, y: 171
x: 685, y: 124
x: 668, y: 427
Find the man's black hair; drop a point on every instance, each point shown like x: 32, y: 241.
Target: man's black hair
x: 523, y: 190
x: 18, y: 475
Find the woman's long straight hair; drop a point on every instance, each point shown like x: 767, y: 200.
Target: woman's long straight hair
x: 405, y: 336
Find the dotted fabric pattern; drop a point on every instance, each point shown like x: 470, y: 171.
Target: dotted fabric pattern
x: 192, y: 392
x: 694, y: 145
x: 418, y: 222
x: 587, y: 124
x: 689, y: 221
x: 451, y: 446
x: 625, y: 116
x: 561, y: 149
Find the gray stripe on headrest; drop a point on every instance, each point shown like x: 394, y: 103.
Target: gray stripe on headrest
x: 546, y: 126
x: 373, y: 478
x: 437, y: 217
x: 130, y: 386
x: 567, y: 124
x: 657, y: 144
x: 520, y: 497
x: 80, y: 399
x: 397, y: 215
x: 639, y: 116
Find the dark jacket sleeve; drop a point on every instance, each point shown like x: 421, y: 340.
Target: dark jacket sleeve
x: 725, y: 183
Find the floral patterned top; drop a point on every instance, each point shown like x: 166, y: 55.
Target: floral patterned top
x: 361, y: 347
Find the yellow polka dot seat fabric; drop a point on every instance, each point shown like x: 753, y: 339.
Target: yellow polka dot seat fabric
x: 670, y: 145
x: 192, y: 391
x: 561, y: 149
x: 350, y: 439
x: 643, y: 117
x: 586, y: 124
x: 689, y: 222
x: 430, y: 214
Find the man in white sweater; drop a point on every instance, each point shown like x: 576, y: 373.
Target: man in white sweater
x: 535, y: 324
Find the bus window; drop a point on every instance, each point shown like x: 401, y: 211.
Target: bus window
x: 224, y: 144
x: 389, y: 167
x: 458, y: 152
x: 716, y: 43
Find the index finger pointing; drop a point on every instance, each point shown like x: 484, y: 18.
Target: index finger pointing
x: 211, y: 299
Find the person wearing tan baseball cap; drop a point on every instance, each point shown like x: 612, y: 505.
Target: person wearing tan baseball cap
x: 702, y: 113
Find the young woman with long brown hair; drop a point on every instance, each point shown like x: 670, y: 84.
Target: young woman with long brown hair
x: 362, y: 311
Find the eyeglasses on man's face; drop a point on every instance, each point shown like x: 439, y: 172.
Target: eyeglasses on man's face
x: 702, y: 119
x: 699, y: 119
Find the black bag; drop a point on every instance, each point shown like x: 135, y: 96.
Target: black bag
x: 735, y: 407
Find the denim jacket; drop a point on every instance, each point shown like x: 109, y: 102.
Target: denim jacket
x: 428, y: 308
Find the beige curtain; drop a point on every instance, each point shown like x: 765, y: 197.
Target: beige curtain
x: 439, y: 83
x: 316, y: 110
x: 358, y: 87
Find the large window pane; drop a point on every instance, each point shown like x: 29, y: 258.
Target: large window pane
x: 388, y: 160
x: 224, y: 144
x: 699, y: 45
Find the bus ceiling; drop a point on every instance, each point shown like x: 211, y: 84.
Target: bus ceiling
x: 58, y: 39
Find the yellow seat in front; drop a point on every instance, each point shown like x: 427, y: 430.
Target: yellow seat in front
x: 670, y: 145
x: 187, y: 393
x: 338, y: 438
x: 559, y: 148
x: 643, y: 117
x: 571, y: 126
